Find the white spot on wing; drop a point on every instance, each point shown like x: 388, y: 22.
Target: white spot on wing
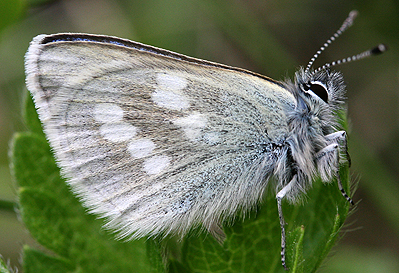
x: 156, y: 164
x: 141, y: 148
x: 191, y: 125
x: 170, y: 100
x: 118, y: 132
x: 167, y: 81
x: 168, y: 92
x: 107, y: 113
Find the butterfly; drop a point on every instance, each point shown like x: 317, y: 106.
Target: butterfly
x: 158, y: 142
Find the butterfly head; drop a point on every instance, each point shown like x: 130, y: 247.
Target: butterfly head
x: 319, y: 96
x: 321, y: 90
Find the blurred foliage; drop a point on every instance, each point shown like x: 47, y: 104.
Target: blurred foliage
x: 269, y: 37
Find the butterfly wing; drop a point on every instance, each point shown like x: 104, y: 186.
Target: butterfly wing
x: 155, y: 141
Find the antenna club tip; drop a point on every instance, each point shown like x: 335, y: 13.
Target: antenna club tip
x: 353, y: 14
x: 379, y: 49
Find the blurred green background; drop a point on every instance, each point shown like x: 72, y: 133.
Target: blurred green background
x: 270, y: 37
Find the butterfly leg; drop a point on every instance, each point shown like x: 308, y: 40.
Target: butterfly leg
x: 280, y: 195
x: 327, y: 160
x: 340, y: 137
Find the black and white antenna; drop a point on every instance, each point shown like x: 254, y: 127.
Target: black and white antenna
x: 345, y: 25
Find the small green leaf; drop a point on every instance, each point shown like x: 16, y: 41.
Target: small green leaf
x: 295, y: 251
x: 333, y: 237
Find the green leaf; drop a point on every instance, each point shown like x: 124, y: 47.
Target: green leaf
x: 296, y: 249
x: 45, y: 218
x: 155, y: 251
x: 177, y: 267
x: 253, y: 245
x: 32, y: 162
x: 36, y: 261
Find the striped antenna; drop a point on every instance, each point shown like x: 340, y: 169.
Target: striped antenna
x: 374, y: 51
x: 345, y: 25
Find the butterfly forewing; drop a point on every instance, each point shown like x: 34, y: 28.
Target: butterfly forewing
x: 152, y: 141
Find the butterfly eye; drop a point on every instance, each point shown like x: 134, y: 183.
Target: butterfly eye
x: 317, y: 89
